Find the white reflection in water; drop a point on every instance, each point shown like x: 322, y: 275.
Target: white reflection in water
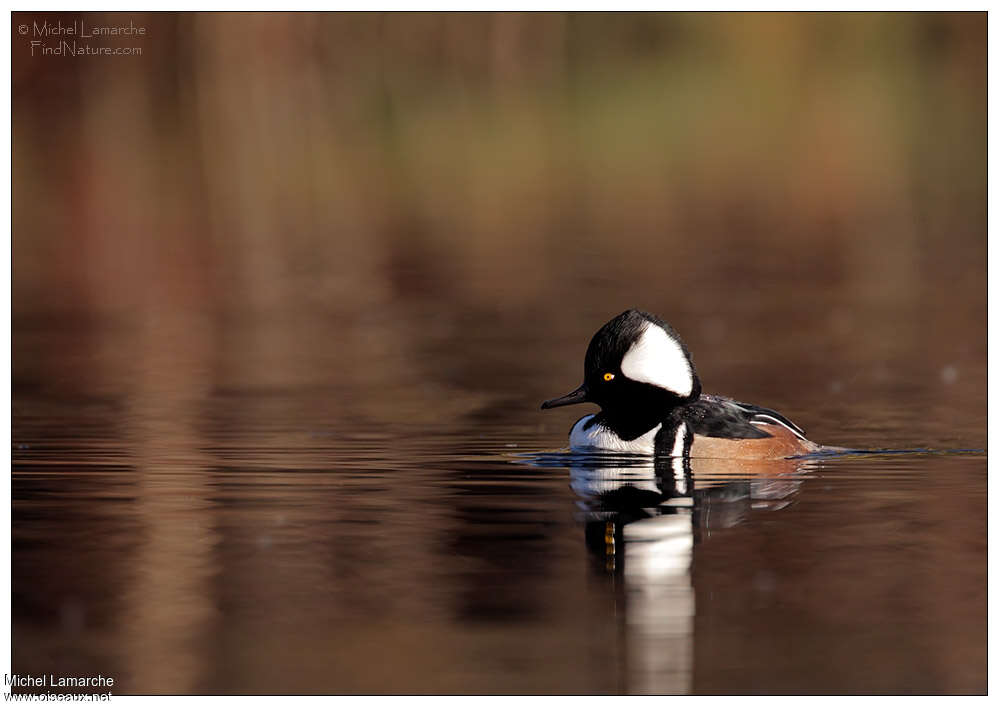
x: 645, y: 516
x: 660, y: 603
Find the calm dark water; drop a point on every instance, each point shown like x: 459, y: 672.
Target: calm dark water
x: 332, y: 503
x: 288, y: 290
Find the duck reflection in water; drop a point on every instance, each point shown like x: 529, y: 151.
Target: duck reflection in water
x: 644, y: 517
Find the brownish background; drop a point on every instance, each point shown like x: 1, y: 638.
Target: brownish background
x: 286, y: 287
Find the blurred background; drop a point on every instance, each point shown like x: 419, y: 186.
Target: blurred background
x: 380, y: 179
x: 288, y: 241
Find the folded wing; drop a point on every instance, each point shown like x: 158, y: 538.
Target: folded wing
x: 718, y: 416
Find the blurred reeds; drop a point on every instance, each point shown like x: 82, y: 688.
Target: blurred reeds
x: 332, y: 238
x: 341, y: 160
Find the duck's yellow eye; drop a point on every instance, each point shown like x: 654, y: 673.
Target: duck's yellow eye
x: 608, y: 376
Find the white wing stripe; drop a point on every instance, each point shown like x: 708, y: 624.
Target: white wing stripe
x: 761, y: 419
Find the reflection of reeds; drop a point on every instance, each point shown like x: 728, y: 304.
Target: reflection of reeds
x: 341, y: 225
x: 282, y: 159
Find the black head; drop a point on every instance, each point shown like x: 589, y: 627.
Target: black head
x: 636, y: 365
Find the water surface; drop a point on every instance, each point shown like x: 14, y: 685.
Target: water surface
x: 288, y: 290
x: 188, y: 534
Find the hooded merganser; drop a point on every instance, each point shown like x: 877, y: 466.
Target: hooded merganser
x: 641, y: 375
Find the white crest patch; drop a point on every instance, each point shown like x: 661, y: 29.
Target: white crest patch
x: 656, y: 358
x: 599, y: 437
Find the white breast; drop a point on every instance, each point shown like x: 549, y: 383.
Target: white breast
x: 599, y: 437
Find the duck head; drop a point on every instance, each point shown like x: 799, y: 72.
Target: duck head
x: 635, y: 366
